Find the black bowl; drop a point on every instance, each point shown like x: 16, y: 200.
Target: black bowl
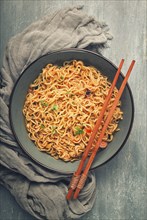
x: 19, y: 94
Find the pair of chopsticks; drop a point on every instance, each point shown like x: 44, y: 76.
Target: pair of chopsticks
x: 78, y: 180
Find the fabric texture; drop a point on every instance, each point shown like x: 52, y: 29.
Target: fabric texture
x: 40, y: 191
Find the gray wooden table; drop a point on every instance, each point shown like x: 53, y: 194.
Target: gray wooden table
x: 121, y: 183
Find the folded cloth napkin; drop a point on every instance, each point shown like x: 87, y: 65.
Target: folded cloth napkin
x: 38, y: 190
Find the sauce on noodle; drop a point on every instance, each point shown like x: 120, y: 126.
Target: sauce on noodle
x: 62, y: 106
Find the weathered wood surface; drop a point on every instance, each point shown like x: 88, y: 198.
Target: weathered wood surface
x: 121, y: 183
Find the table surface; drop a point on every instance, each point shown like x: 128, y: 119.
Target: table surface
x: 121, y: 183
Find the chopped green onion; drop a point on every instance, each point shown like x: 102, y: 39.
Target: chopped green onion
x: 54, y: 107
x: 53, y: 131
x: 43, y: 103
x: 42, y: 126
x: 78, y: 131
x: 68, y: 92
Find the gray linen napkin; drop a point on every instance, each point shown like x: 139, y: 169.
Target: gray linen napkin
x: 38, y: 190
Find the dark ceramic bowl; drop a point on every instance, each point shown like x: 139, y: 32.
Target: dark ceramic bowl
x: 19, y: 94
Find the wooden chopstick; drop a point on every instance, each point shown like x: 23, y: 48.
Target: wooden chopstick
x: 76, y: 175
x: 90, y: 161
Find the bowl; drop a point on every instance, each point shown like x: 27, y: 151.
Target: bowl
x: 18, y: 96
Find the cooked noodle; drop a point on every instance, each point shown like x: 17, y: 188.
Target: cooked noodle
x: 62, y: 106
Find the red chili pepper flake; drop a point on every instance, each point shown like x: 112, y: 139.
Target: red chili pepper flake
x: 88, y: 130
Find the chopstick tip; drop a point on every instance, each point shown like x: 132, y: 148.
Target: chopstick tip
x: 133, y: 61
x: 69, y: 194
x: 76, y: 193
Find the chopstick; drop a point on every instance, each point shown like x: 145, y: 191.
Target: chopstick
x: 76, y: 175
x: 90, y: 161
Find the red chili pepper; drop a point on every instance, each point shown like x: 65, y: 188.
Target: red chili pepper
x: 88, y: 130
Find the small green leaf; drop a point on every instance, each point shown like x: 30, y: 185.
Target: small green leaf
x: 42, y: 126
x: 68, y: 92
x: 54, y: 107
x: 43, y: 103
x: 53, y: 131
x: 78, y: 131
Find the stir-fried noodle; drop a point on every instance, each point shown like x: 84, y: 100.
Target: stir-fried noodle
x: 62, y: 106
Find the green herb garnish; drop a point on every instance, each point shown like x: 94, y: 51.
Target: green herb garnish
x: 43, y: 103
x: 54, y: 107
x: 42, y: 126
x: 62, y: 77
x: 53, y: 131
x: 78, y: 131
x: 68, y: 92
